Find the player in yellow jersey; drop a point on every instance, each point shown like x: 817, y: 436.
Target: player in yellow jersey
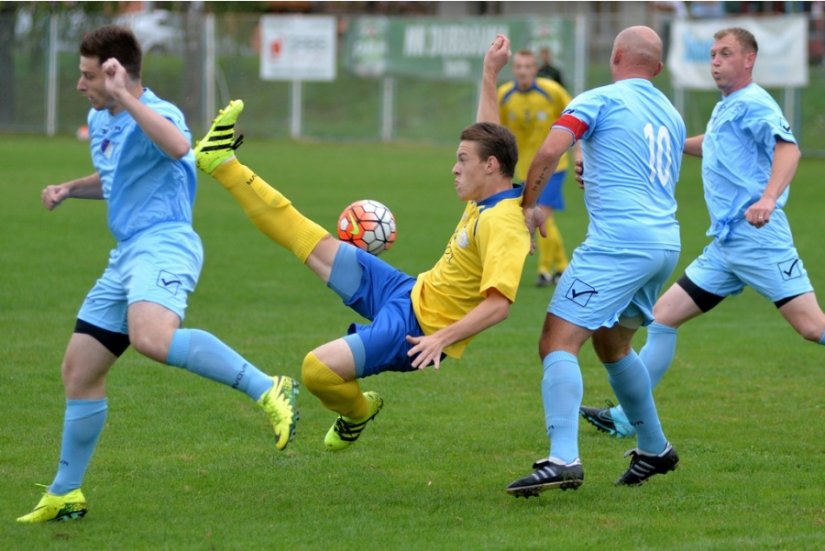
x: 414, y: 321
x: 528, y: 106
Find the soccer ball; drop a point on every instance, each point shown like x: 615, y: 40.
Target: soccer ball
x: 367, y: 224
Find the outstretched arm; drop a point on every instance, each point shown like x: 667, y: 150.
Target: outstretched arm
x: 494, y: 61
x: 428, y: 349
x: 88, y: 187
x: 693, y: 145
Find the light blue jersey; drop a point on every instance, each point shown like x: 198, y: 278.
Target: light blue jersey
x: 737, y: 155
x: 141, y: 184
x: 158, y: 257
x: 632, y: 152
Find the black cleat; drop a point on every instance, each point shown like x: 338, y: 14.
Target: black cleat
x: 602, y: 419
x: 548, y: 475
x: 643, y: 466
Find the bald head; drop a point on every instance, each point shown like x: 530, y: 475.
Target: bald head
x: 637, y: 53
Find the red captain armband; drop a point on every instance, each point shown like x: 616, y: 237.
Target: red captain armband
x: 574, y: 125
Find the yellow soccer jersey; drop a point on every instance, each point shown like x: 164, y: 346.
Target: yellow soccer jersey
x: 529, y: 115
x: 487, y: 250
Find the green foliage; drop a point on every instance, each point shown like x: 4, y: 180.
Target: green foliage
x: 187, y: 464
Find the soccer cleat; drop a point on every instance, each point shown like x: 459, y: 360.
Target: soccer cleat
x: 545, y: 279
x: 53, y: 507
x: 219, y: 144
x: 603, y: 419
x: 346, y: 431
x: 643, y: 466
x: 279, y: 404
x: 548, y: 474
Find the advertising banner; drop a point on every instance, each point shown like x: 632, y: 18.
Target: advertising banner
x: 447, y: 49
x: 298, y: 48
x: 782, y: 61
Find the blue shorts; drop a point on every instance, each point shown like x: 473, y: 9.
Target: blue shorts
x: 159, y: 265
x: 602, y: 286
x: 552, y: 195
x: 383, y: 297
x: 763, y: 258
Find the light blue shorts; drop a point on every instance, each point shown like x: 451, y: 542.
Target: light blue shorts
x: 763, y: 258
x: 602, y: 286
x: 552, y: 195
x: 159, y: 265
x: 383, y: 297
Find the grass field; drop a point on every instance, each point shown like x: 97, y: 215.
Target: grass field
x: 188, y: 464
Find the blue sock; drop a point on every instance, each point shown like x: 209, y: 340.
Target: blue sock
x: 822, y: 339
x: 658, y: 351
x: 561, y: 392
x: 657, y: 355
x: 204, y: 354
x: 82, y: 424
x: 631, y: 383
x: 345, y: 276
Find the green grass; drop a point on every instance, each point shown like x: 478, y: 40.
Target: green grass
x: 187, y: 464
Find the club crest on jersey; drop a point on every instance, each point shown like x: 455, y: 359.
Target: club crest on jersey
x: 106, y: 148
x: 463, y: 239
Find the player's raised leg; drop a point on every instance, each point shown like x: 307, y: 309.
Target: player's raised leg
x: 268, y: 209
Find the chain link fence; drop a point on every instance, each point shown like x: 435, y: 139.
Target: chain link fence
x: 200, y: 61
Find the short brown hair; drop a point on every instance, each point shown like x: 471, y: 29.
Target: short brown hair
x: 496, y: 141
x: 116, y: 42
x: 744, y: 37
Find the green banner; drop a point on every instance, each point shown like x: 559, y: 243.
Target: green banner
x: 447, y: 49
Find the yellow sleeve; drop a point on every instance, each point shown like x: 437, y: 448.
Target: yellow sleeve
x: 559, y: 101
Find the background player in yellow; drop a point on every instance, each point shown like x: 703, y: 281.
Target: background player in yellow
x: 528, y: 106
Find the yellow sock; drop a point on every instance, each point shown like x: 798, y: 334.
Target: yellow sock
x: 342, y: 397
x: 269, y: 210
x: 552, y: 255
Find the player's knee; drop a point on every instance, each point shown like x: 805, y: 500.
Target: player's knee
x: 317, y: 376
x: 73, y: 375
x: 811, y: 332
x: 312, y: 373
x: 151, y: 345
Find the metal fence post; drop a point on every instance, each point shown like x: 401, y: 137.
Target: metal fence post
x: 387, y: 108
x: 51, y: 78
x: 209, y: 69
x: 295, y: 108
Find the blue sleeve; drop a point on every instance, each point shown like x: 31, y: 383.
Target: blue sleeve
x: 170, y: 112
x: 586, y: 107
x: 766, y: 124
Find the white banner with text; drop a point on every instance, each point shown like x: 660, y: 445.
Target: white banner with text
x: 298, y: 48
x: 782, y: 61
